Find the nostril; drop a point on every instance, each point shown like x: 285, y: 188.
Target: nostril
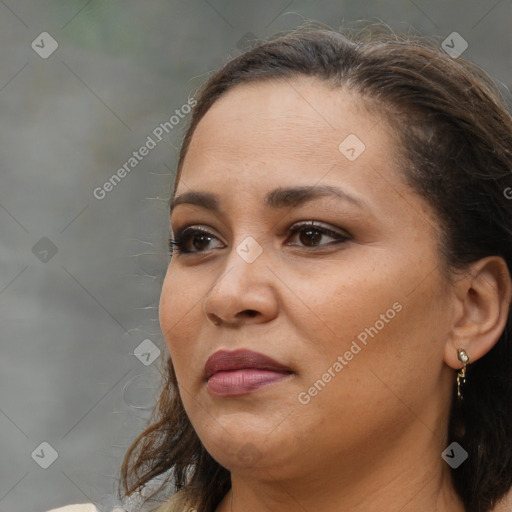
x: 251, y: 312
x: 214, y: 319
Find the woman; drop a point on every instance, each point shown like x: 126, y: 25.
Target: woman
x: 336, y: 307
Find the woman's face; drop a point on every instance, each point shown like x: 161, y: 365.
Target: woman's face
x: 355, y: 309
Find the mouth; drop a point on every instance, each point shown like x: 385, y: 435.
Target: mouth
x: 238, y: 372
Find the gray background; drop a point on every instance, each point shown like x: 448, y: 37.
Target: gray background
x: 71, y: 322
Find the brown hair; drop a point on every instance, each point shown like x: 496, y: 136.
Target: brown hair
x: 455, y: 137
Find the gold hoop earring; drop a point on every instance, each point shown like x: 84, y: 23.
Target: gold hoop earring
x: 461, y: 374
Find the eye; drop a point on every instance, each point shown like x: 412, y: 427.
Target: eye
x: 310, y: 233
x: 190, y: 240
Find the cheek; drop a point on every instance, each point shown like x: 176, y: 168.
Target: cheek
x: 376, y: 315
x: 178, y: 314
x: 343, y: 301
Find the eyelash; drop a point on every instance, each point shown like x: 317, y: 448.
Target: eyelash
x: 177, y: 244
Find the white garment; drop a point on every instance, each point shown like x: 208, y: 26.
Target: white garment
x: 84, y: 507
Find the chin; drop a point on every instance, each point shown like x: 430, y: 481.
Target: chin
x: 246, y: 448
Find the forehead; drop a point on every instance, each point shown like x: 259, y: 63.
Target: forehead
x: 299, y: 117
x: 281, y: 131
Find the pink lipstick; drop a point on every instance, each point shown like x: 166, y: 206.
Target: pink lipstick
x: 238, y: 372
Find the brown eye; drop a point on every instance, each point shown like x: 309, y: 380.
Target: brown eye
x: 190, y: 240
x: 311, y: 234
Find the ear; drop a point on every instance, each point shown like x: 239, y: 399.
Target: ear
x: 483, y: 300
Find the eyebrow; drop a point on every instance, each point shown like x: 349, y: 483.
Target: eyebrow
x: 278, y: 198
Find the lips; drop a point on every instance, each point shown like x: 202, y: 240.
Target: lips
x: 239, y: 372
x: 224, y: 361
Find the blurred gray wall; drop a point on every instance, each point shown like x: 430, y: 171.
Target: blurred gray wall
x: 80, y: 271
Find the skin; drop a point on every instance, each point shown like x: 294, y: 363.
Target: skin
x: 371, y: 439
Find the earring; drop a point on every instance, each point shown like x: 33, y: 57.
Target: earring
x: 461, y: 374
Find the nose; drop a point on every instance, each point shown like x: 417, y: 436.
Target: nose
x: 244, y: 293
